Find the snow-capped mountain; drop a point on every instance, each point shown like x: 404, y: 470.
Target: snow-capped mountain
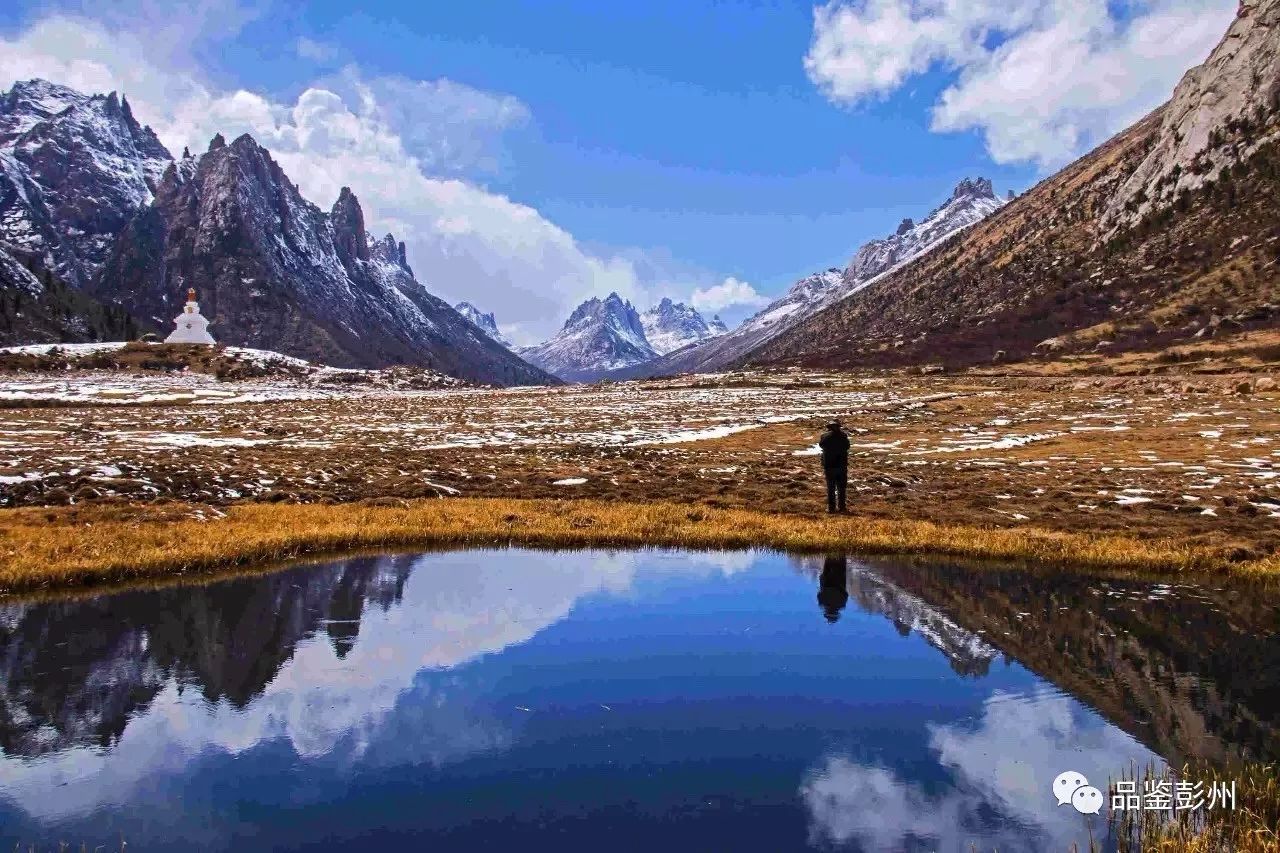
x: 272, y: 270
x: 484, y: 322
x: 670, y: 326
x: 74, y: 169
x: 970, y: 202
x: 600, y: 335
x: 102, y: 232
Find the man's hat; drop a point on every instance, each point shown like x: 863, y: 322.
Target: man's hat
x: 834, y: 425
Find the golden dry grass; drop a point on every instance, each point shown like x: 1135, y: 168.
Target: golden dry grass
x: 60, y: 548
x: 1253, y: 826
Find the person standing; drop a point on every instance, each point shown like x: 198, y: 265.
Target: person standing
x: 835, y: 465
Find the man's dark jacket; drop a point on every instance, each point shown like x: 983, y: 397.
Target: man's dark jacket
x: 835, y: 449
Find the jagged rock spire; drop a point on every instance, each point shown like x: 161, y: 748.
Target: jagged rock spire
x: 348, y: 228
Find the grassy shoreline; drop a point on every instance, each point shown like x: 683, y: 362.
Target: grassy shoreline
x: 86, y: 546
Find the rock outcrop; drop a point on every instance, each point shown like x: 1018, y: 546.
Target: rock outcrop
x: 1218, y: 117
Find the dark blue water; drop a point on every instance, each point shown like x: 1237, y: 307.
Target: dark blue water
x: 624, y: 701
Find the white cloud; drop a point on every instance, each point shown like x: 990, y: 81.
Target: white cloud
x: 1041, y: 80
x: 727, y: 294
x: 451, y: 128
x: 881, y: 810
x: 404, y: 146
x: 872, y: 48
x: 316, y: 51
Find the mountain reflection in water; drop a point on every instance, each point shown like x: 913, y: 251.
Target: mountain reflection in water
x: 707, y: 698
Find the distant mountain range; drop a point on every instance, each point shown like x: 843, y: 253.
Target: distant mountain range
x: 670, y: 326
x: 604, y: 335
x: 102, y: 232
x: 970, y: 202
x: 600, y: 335
x: 610, y: 339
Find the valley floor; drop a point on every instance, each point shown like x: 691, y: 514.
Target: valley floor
x: 1173, y: 472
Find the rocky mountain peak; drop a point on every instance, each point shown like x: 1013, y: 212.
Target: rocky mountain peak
x: 907, y: 225
x: 670, y: 325
x: 612, y: 307
x: 600, y: 335
x: 349, y: 236
x: 74, y: 169
x: 218, y: 142
x: 388, y: 250
x: 974, y: 188
x: 277, y: 270
x: 585, y: 309
x: 486, y: 323
x: 32, y: 101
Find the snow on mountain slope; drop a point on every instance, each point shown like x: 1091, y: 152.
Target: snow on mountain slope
x: 484, y: 322
x: 274, y: 271
x: 74, y: 169
x: 670, y: 326
x: 970, y: 202
x: 599, y: 336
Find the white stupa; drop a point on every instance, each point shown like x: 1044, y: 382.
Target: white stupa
x: 192, y: 327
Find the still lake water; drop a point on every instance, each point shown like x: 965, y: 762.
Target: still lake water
x: 615, y: 700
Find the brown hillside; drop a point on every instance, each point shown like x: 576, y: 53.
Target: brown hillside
x: 1051, y: 273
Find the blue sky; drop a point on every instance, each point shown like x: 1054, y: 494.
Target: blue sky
x: 675, y: 126
x: 712, y: 151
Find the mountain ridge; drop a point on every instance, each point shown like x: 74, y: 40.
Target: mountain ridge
x: 102, y: 232
x: 969, y: 202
